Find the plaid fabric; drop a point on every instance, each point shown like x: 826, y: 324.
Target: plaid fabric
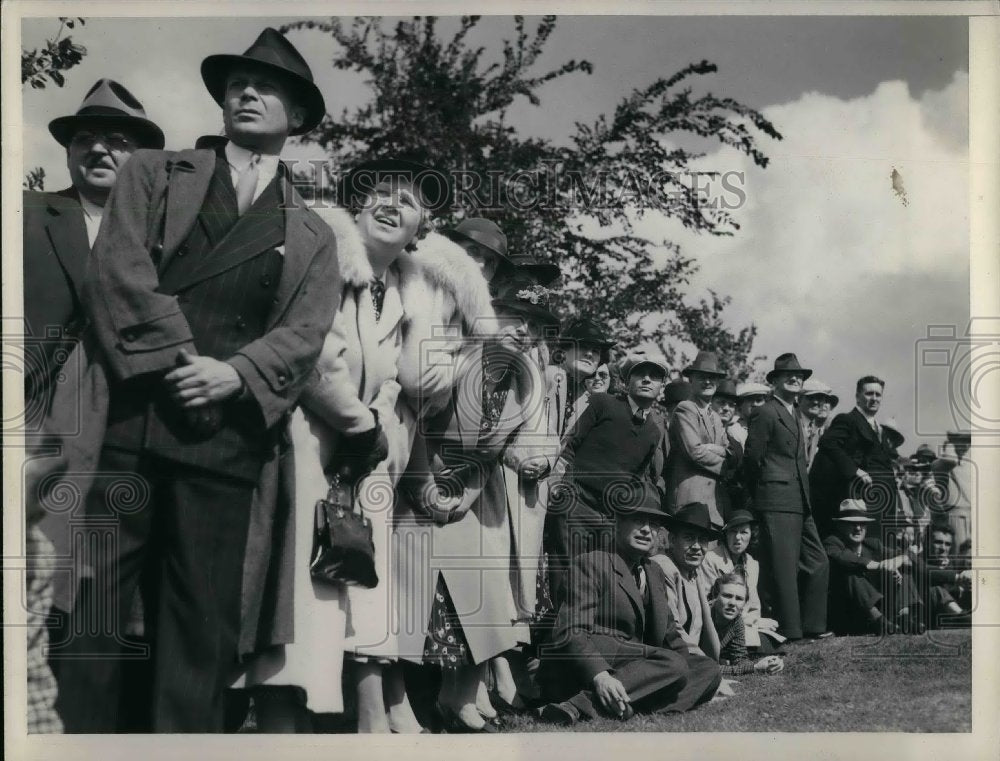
x: 42, y: 716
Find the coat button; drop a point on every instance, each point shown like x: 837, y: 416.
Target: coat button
x: 282, y: 379
x: 240, y: 323
x: 129, y: 334
x: 275, y: 301
x: 265, y: 280
x: 182, y: 250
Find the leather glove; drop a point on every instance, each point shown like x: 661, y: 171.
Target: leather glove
x: 359, y: 453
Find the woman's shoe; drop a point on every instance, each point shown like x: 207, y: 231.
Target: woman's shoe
x: 451, y: 723
x: 505, y: 708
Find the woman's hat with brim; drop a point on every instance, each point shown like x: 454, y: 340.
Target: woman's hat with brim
x: 526, y: 298
x: 853, y: 511
x: 963, y: 437
x: 727, y: 389
x: 739, y: 518
x: 891, y: 427
x: 430, y: 184
x: 108, y: 105
x: 545, y: 273
x: 272, y: 52
x: 693, y: 516
x: 705, y: 363
x: 788, y: 363
x: 585, y: 331
x: 486, y: 233
x: 924, y: 455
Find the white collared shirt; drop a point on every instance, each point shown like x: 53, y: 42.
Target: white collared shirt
x: 789, y: 407
x: 870, y: 418
x: 92, y: 214
x: 239, y: 158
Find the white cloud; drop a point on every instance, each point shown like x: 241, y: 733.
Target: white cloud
x: 829, y: 262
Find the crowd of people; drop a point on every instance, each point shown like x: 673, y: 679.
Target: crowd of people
x: 556, y: 526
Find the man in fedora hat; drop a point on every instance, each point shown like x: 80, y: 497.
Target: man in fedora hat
x: 689, y: 534
x: 855, y: 460
x: 60, y: 228
x: 748, y: 396
x: 861, y: 569
x: 699, y: 446
x: 584, y: 346
x: 617, y: 649
x: 794, y: 569
x: 211, y: 289
x: 612, y: 450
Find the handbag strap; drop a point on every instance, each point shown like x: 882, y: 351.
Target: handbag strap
x: 333, y: 495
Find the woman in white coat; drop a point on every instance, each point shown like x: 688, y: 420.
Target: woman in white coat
x: 355, y: 398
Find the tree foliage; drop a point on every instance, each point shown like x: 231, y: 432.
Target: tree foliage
x: 59, y: 54
x: 40, y: 66
x: 444, y: 102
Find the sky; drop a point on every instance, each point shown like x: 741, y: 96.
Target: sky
x: 829, y: 262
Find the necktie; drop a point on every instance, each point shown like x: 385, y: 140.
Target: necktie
x: 377, y: 288
x: 640, y: 581
x: 247, y: 184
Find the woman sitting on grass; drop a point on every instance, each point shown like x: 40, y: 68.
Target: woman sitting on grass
x: 728, y: 600
x: 730, y: 556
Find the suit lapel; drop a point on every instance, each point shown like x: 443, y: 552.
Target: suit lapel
x: 866, y: 429
x: 68, y: 234
x: 786, y: 419
x: 627, y: 583
x: 302, y: 231
x: 190, y: 177
x: 658, y: 623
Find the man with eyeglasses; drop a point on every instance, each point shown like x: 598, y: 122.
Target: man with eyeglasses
x: 794, y: 566
x: 60, y: 228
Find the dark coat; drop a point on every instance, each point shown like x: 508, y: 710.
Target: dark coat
x: 604, y: 603
x: 848, y: 444
x: 137, y: 329
x: 56, y: 252
x: 774, y: 462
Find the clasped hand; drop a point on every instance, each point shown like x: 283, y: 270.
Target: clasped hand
x: 199, y: 380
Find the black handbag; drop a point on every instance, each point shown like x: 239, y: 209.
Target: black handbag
x: 343, y: 551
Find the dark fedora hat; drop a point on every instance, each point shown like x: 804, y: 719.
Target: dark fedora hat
x: 527, y: 298
x: 273, y: 52
x: 677, y: 391
x: 583, y: 330
x: 646, y: 502
x: 693, y: 515
x: 107, y: 105
x: 545, y: 273
x: 739, y: 518
x: 431, y: 184
x: 705, y: 363
x: 486, y: 233
x: 787, y: 363
x: 726, y: 388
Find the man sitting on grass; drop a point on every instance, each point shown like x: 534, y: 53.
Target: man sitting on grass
x: 871, y: 587
x: 616, y: 649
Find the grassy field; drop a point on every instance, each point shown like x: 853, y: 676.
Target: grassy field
x: 846, y: 684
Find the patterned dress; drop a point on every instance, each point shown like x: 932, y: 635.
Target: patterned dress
x: 445, y: 644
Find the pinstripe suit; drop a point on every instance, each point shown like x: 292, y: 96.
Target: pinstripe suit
x: 175, y: 267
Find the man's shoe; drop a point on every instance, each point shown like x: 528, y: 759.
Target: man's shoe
x: 821, y: 635
x: 559, y: 713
